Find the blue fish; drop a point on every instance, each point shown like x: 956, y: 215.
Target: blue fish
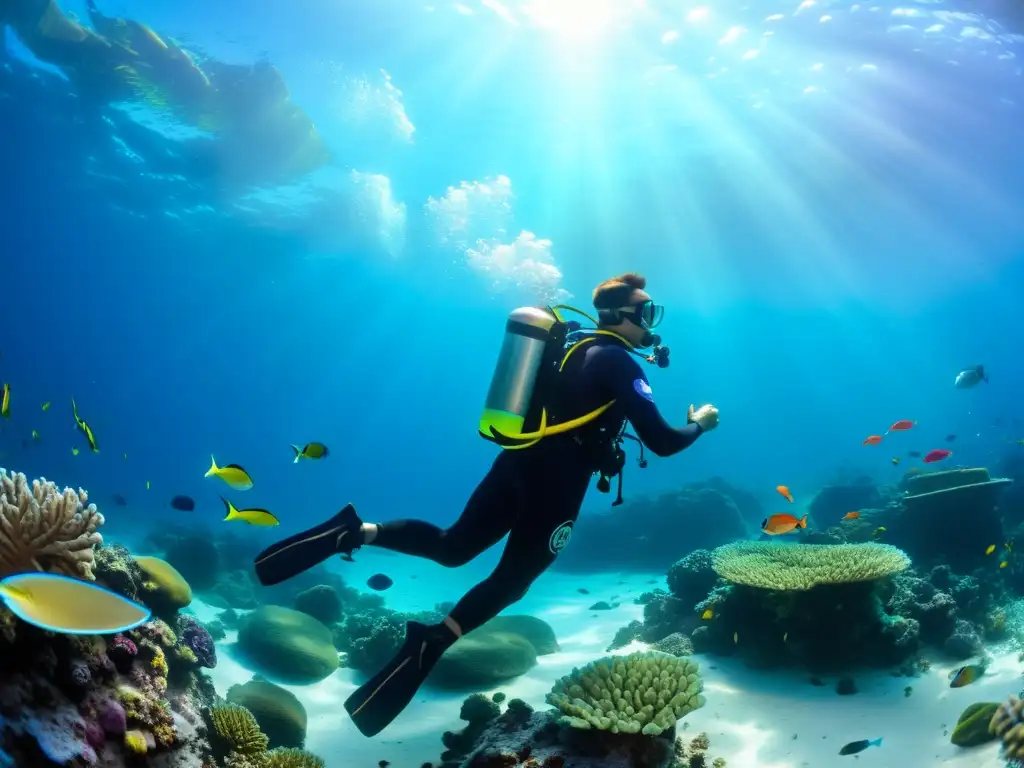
x: 379, y: 582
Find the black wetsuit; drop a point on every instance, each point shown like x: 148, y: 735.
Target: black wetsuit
x: 534, y: 495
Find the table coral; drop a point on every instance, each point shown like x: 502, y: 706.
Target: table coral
x: 768, y: 565
x: 45, y: 529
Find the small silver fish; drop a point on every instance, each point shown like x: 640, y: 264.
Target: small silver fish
x: 970, y: 377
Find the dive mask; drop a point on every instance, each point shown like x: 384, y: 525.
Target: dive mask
x: 646, y: 314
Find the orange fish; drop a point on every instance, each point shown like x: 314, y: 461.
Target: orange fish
x: 851, y: 515
x: 785, y: 493
x: 873, y: 440
x: 782, y: 523
x: 902, y: 426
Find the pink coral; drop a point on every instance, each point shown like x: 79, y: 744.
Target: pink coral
x: 122, y: 652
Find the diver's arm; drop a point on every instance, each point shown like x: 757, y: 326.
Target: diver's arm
x: 628, y: 385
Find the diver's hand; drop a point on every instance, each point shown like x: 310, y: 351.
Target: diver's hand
x: 706, y: 416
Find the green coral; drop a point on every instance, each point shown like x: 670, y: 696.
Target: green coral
x: 237, y: 729
x: 972, y: 727
x: 768, y: 565
x: 284, y: 757
x: 645, y: 692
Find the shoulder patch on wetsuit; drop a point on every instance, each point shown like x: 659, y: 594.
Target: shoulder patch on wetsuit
x: 644, y: 390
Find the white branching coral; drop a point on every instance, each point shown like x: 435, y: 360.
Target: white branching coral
x: 45, y: 529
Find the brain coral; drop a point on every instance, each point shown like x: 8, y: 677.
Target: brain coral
x: 802, y: 566
x: 645, y: 692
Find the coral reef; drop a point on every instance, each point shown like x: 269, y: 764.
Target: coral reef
x: 639, y: 693
x: 930, y: 527
x: 483, y: 659
x: 1008, y: 725
x: 786, y: 567
x: 707, y: 511
x: 321, y: 602
x: 45, y: 529
x: 521, y: 737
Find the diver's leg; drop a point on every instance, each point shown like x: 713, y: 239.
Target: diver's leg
x: 486, y: 518
x: 542, y: 531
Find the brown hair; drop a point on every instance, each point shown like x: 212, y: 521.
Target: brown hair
x: 616, y: 291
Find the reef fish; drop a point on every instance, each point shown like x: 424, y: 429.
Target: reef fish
x: 914, y: 454
x: 895, y: 460
x: 902, y: 426
x: 260, y: 517
x: 856, y: 747
x: 310, y: 451
x: 5, y: 402
x: 782, y: 523
x: 84, y: 428
x: 937, y: 455
x: 851, y: 515
x: 232, y: 474
x: 872, y: 440
x: 970, y: 377
x: 183, y: 503
x: 950, y: 438
x: 379, y: 582
x: 965, y: 675
x: 70, y: 606
x: 120, y: 500
x: 991, y: 548
x: 46, y: 405
x: 782, y: 489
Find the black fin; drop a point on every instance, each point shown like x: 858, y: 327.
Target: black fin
x: 290, y: 557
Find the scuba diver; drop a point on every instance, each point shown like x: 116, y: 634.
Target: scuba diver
x: 558, y: 405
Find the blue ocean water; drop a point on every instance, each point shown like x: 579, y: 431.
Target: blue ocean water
x: 825, y: 196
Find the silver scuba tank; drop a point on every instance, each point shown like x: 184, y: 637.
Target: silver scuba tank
x: 530, y: 332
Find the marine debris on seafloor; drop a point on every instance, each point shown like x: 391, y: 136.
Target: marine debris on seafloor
x: 114, y: 699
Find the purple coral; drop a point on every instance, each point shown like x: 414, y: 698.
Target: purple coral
x: 122, y: 652
x: 198, y: 640
x: 112, y: 718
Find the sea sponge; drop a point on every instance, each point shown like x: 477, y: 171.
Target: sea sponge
x: 289, y: 646
x: 291, y: 758
x: 645, y: 692
x: 45, y: 529
x: 1008, y: 724
x: 278, y: 712
x: 237, y: 729
x: 135, y: 742
x: 768, y: 565
x: 164, y: 586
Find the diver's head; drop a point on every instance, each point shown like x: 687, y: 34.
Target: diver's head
x: 624, y: 308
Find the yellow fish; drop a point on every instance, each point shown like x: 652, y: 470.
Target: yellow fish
x: 35, y: 434
x: 991, y: 548
x: 46, y: 405
x: 5, y: 402
x: 232, y: 474
x: 895, y: 460
x: 70, y: 606
x: 260, y: 517
x: 310, y: 451
x: 707, y: 615
x: 1004, y: 564
x: 85, y: 429
x: 74, y: 451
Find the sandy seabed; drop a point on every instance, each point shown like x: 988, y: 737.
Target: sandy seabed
x: 754, y: 719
